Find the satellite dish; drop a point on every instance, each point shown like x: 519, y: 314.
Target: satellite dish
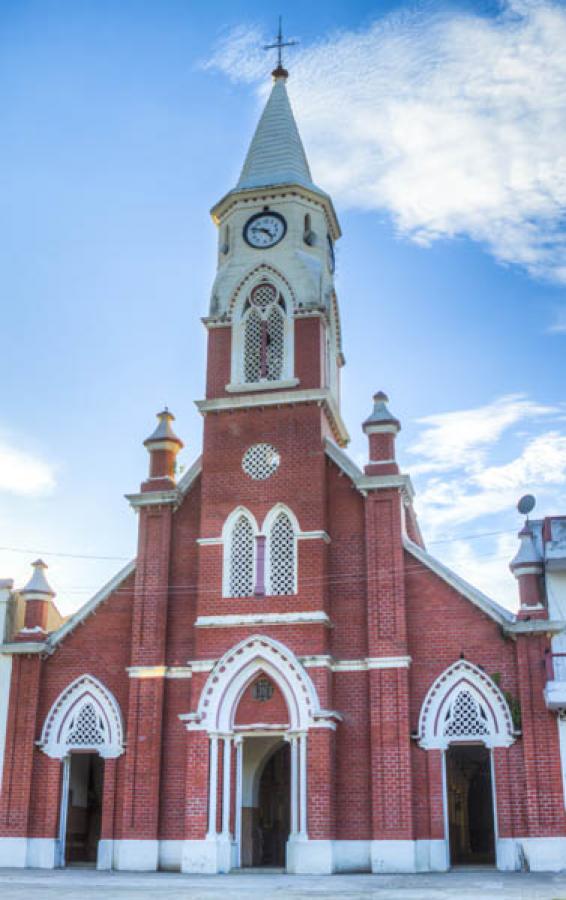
x: 526, y: 504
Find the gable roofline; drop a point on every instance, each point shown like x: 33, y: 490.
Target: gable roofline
x: 496, y: 612
x: 89, y: 607
x: 342, y: 460
x: 186, y: 482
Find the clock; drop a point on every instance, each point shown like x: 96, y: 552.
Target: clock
x: 264, y: 230
x: 330, y: 253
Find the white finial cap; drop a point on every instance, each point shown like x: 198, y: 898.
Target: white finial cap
x: 527, y: 556
x: 38, y: 587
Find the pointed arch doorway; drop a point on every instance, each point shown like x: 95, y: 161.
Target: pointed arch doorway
x: 265, y: 808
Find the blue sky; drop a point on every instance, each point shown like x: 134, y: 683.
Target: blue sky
x: 438, y: 129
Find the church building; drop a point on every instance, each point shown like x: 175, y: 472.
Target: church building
x: 283, y: 677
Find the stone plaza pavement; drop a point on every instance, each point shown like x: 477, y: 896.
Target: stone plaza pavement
x: 85, y: 884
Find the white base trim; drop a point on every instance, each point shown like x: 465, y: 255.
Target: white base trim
x: 136, y: 856
x: 351, y: 856
x: 393, y: 856
x: 306, y: 857
x: 207, y: 857
x: 542, y: 854
x: 30, y: 853
x: 105, y: 856
x: 170, y: 855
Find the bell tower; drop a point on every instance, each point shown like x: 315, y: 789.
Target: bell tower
x: 273, y: 320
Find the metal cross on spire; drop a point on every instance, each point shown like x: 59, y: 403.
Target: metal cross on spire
x: 278, y: 45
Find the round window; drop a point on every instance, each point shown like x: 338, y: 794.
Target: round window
x: 260, y: 461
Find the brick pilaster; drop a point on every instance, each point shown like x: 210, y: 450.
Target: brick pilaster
x: 390, y: 750
x: 146, y: 696
x: 321, y: 789
x: 20, y: 747
x: 543, y: 793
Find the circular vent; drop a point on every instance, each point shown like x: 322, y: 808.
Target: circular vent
x: 261, y: 461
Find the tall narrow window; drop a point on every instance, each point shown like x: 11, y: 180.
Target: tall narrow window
x: 264, y: 334
x: 242, y: 558
x: 282, y: 556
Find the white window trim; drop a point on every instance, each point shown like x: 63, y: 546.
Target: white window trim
x: 83, y: 690
x: 226, y: 540
x: 464, y: 675
x: 237, y: 377
x: 268, y: 522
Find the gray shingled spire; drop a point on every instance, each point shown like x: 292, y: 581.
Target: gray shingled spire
x: 276, y: 154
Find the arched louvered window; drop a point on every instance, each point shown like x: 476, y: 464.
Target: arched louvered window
x: 465, y: 718
x: 264, y: 334
x: 282, y: 564
x: 241, y: 549
x: 87, y: 729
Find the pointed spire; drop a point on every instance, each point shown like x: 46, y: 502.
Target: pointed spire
x: 276, y: 154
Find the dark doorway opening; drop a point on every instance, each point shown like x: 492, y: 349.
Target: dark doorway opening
x: 271, y: 830
x: 470, y: 806
x: 84, y: 808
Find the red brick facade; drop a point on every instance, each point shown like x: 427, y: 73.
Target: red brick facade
x: 368, y: 659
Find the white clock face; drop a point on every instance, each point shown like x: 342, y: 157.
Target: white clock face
x: 265, y: 230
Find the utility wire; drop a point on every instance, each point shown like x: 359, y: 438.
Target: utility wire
x: 448, y: 540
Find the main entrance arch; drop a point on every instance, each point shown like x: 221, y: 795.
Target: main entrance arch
x: 253, y: 739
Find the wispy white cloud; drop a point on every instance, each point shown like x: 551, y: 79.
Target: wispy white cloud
x: 24, y: 473
x: 453, y: 122
x: 461, y: 438
x: 471, y: 467
x: 455, y: 461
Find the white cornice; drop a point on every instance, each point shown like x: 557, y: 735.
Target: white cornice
x: 244, y: 388
x: 356, y: 665
x: 301, y: 536
x: 14, y: 648
x: 153, y: 498
x: 160, y: 671
x: 190, y: 476
x: 315, y: 617
x: 385, y: 482
x: 321, y: 396
x: 536, y: 626
x: 272, y: 192
x: 365, y: 483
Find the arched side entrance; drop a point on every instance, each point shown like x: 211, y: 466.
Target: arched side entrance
x: 84, y: 730
x: 465, y: 715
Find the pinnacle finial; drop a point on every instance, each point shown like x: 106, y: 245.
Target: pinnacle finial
x: 280, y: 71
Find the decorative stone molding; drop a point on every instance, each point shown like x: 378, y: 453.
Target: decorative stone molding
x: 236, y: 670
x: 86, y: 716
x: 464, y: 704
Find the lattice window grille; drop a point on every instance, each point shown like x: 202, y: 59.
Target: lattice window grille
x: 242, y: 559
x: 262, y: 690
x: 282, y: 556
x: 252, y: 347
x: 87, y: 729
x: 260, y: 461
x: 275, y: 344
x: 263, y: 295
x: 466, y: 717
